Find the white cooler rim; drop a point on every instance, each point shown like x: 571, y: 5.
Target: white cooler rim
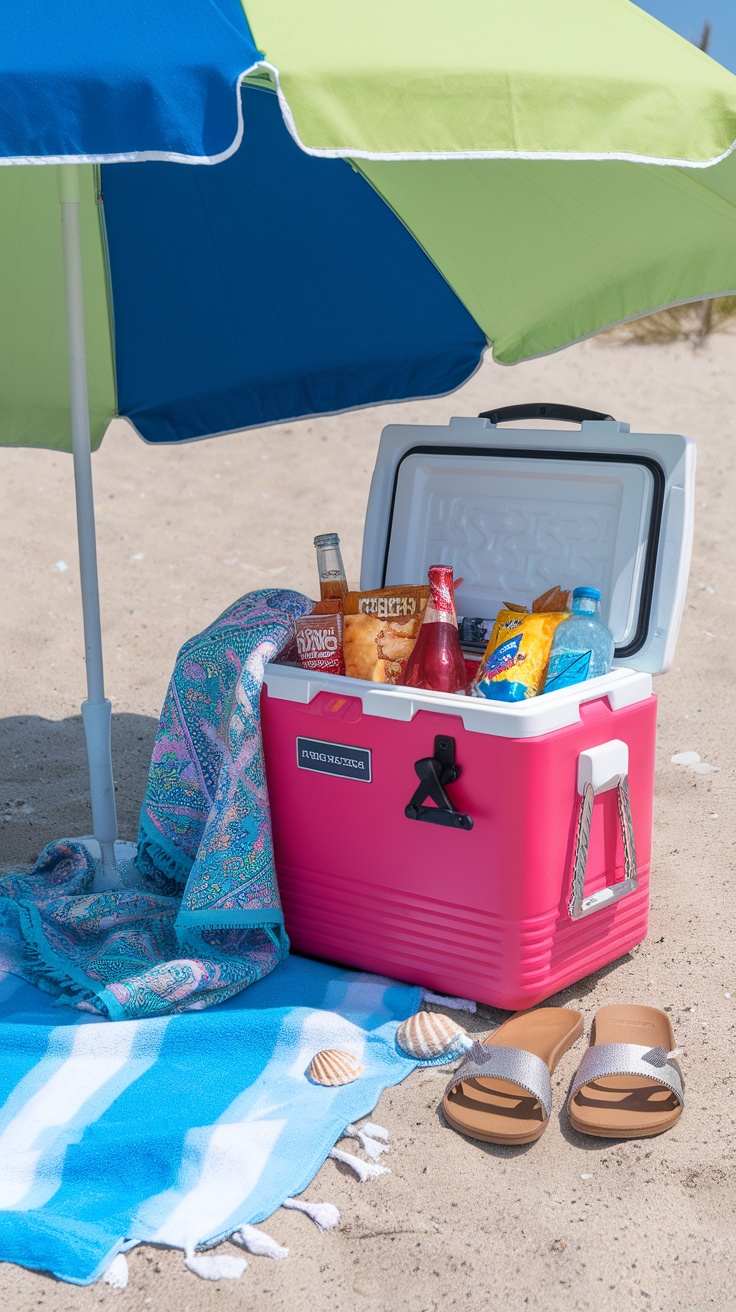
x: 528, y: 719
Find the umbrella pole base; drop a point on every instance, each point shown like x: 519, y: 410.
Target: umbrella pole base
x: 126, y: 874
x: 108, y: 875
x: 97, y: 717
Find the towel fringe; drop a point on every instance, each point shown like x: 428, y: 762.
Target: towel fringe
x: 375, y: 1131
x: 157, y: 864
x: 363, y: 1170
x: 371, y: 1144
x: 57, y: 981
x: 215, y: 1268
x: 325, y: 1215
x: 258, y: 1242
x: 117, y: 1272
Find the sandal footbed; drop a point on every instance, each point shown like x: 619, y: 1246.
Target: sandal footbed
x: 497, y: 1111
x: 627, y: 1106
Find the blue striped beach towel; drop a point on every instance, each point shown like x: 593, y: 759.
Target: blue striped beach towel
x: 178, y: 1129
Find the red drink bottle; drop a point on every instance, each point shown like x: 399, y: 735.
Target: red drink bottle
x: 437, y: 660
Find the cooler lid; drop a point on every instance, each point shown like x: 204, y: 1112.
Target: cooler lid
x: 516, y: 511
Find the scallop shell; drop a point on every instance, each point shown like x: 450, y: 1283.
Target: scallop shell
x: 430, y: 1034
x: 330, y: 1066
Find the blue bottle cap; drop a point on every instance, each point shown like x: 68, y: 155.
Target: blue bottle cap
x: 593, y: 593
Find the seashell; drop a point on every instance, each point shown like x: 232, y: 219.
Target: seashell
x: 330, y: 1066
x: 430, y: 1034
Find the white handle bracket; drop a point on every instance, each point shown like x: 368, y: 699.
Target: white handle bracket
x: 601, y: 769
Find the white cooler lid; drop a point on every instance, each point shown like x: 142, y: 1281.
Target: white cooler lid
x: 516, y: 511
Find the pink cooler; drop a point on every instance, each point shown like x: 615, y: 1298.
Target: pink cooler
x: 495, y: 851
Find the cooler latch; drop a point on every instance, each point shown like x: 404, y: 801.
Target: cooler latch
x: 433, y: 773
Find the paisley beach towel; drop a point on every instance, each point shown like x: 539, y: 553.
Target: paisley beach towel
x: 203, y: 919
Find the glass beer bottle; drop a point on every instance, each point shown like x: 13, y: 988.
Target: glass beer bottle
x: 437, y: 660
x: 332, y: 582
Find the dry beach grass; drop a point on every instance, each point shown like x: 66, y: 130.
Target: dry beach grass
x: 567, y: 1223
x: 692, y: 323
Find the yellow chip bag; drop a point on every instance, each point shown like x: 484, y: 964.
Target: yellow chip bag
x: 515, y: 662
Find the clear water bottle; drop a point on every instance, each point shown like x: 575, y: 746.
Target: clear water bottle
x: 582, y: 647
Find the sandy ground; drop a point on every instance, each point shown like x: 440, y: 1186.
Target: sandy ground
x: 567, y: 1223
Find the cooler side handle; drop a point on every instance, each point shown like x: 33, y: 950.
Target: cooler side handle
x: 599, y: 770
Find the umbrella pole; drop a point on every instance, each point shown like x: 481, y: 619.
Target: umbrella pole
x: 97, y: 709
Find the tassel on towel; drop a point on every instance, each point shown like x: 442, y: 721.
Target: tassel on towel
x: 372, y: 1138
x: 215, y: 1268
x: 363, y: 1170
x: 375, y: 1131
x: 325, y: 1215
x: 117, y: 1272
x: 258, y: 1242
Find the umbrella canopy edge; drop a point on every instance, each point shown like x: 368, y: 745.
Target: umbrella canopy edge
x: 526, y: 80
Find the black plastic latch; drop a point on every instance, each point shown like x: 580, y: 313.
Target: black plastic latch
x: 434, y: 772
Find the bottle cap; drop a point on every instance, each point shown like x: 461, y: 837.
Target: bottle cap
x: 442, y: 591
x: 593, y: 593
x: 327, y: 540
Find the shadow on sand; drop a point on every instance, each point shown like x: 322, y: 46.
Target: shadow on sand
x: 44, y: 782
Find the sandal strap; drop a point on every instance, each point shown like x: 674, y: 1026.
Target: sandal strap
x: 605, y: 1059
x: 492, y: 1061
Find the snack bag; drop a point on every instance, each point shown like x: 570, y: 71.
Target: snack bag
x: 380, y: 628
x: 395, y: 603
x: 515, y: 662
x: 319, y: 643
x: 556, y: 599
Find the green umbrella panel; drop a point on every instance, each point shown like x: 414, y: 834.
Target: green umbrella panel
x: 566, y: 166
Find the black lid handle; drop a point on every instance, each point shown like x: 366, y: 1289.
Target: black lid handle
x: 574, y: 414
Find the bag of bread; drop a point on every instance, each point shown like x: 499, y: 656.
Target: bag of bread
x: 380, y: 627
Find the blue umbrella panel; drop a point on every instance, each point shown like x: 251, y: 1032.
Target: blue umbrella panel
x: 271, y: 287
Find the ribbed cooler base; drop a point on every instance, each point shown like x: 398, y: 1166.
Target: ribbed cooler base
x: 482, y: 912
x: 451, y: 948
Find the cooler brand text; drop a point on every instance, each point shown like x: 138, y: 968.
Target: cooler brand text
x: 334, y: 758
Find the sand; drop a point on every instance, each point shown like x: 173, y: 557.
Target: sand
x: 568, y: 1222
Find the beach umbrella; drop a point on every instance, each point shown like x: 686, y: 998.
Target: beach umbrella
x: 291, y: 209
